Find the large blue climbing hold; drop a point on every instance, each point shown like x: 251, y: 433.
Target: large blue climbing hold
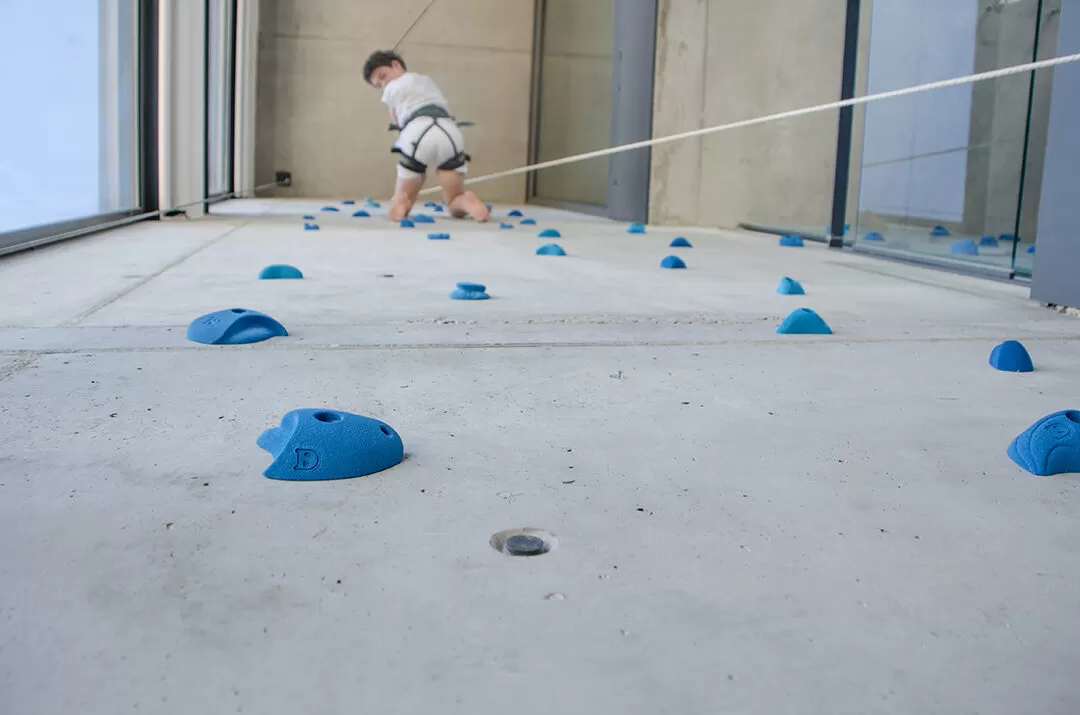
x: 804, y: 322
x: 791, y: 241
x: 967, y: 247
x: 790, y: 286
x: 361, y: 214
x: 1011, y: 356
x: 1050, y: 446
x: 314, y: 445
x: 330, y: 208
x: 550, y: 249
x: 939, y: 231
x: 636, y: 227
x: 528, y: 222
x: 470, y: 291
x: 672, y: 262
x: 279, y: 270
x: 989, y: 241
x: 439, y: 236
x: 237, y: 326
x: 515, y: 213
x: 311, y: 227
x: 503, y: 224
x: 680, y: 242
x: 549, y: 233
x: 348, y: 202
x: 406, y: 223
x: 422, y: 218
x: 873, y: 236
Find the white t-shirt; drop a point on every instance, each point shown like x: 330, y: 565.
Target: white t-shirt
x: 411, y: 91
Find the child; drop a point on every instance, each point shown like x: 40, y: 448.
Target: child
x: 429, y: 138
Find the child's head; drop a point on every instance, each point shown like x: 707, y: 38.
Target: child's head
x: 383, y: 66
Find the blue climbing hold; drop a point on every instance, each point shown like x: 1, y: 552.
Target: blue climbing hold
x: 503, y: 224
x: 636, y: 227
x: 373, y: 204
x: 1008, y: 237
x: 967, y: 247
x: 1050, y: 446
x: 309, y: 218
x: 348, y: 202
x: 422, y: 218
x: 279, y: 270
x: 939, y: 231
x: 237, y: 326
x: 313, y: 445
x: 989, y: 241
x: 430, y: 205
x: 1011, y: 356
x: 1031, y: 249
x: 515, y: 213
x: 437, y: 209
x: 439, y: 236
x: 550, y: 249
x: 791, y: 241
x: 528, y: 222
x: 330, y: 208
x: 828, y: 229
x: 311, y: 227
x: 873, y: 236
x: 470, y: 291
x: 361, y: 214
x: 406, y: 223
x: 804, y: 322
x: 790, y: 286
x: 672, y: 262
x: 680, y: 242
x: 549, y: 233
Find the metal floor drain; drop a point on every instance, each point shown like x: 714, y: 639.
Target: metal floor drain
x: 523, y: 542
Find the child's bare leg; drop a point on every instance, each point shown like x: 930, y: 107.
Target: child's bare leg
x: 460, y: 202
x: 405, y: 194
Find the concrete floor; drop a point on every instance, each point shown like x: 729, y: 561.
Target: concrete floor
x: 746, y: 523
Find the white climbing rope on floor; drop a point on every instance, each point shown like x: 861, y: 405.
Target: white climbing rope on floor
x: 892, y: 94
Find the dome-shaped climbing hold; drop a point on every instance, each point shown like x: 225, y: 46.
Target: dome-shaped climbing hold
x: 791, y: 241
x: 279, y: 270
x: 504, y: 225
x: 873, y: 236
x: 1011, y: 356
x: 515, y: 213
x: 311, y: 227
x: 406, y: 223
x: 470, y: 291
x: 422, y: 218
x: 672, y: 262
x: 437, y: 209
x: 1050, y: 446
x: 313, y: 445
x: 966, y: 247
x: 550, y: 249
x: 636, y: 227
x: 439, y: 236
x: 361, y: 214
x: 237, y: 326
x: 989, y: 241
x: 804, y: 321
x: 790, y: 286
x: 549, y: 233
x: 939, y: 231
x: 680, y: 242
x: 528, y: 222
x: 330, y: 208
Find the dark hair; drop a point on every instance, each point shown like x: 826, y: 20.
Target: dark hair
x: 381, y: 58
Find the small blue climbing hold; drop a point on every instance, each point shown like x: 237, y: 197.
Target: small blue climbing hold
x: 503, y: 224
x: 330, y: 208
x: 680, y: 242
x: 791, y: 241
x: 430, y: 205
x: 528, y: 222
x: 279, y: 271
x: 1011, y: 356
x: 804, y: 322
x: 967, y: 247
x: 549, y: 233
x: 515, y: 213
x: 348, y: 202
x: 314, y: 445
x: 422, y: 218
x: 311, y: 227
x: 989, y: 241
x: 636, y: 227
x: 439, y: 236
x: 1008, y: 237
x: 309, y: 218
x: 437, y: 209
x: 406, y: 223
x: 939, y: 231
x: 672, y: 262
x: 873, y: 236
x: 1031, y: 249
x: 550, y: 249
x: 790, y: 286
x: 237, y: 326
x: 1050, y: 446
x: 361, y: 214
x: 470, y: 291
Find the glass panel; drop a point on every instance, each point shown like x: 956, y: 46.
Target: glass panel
x: 942, y: 170
x: 219, y: 73
x: 69, y: 137
x: 576, y: 66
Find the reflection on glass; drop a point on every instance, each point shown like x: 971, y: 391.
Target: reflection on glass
x: 575, y: 98
x: 69, y: 131
x: 219, y: 91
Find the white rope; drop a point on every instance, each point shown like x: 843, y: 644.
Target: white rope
x: 892, y: 94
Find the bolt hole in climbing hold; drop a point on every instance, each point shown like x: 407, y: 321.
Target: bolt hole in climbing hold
x: 329, y: 417
x: 1073, y: 416
x: 523, y: 542
x: 238, y: 310
x: 385, y: 430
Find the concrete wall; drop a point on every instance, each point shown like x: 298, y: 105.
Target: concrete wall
x: 720, y: 61
x: 318, y: 118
